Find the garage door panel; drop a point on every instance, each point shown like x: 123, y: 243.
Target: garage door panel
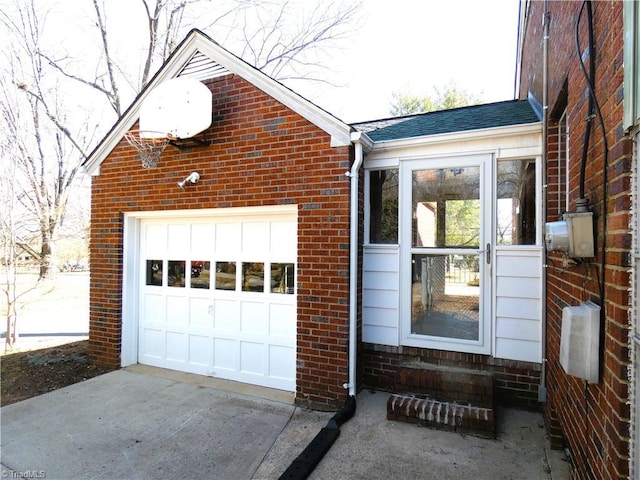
x: 228, y: 238
x: 202, y: 239
x: 225, y: 354
x: 283, y: 239
x: 227, y: 316
x: 200, y: 317
x: 178, y: 236
x: 253, y: 318
x: 196, y: 322
x: 177, y: 346
x: 200, y: 350
x: 282, y: 320
x: 155, y: 239
x: 154, y: 309
x: 282, y: 361
x: 177, y: 311
x: 255, y: 241
x: 153, y: 343
x: 251, y: 357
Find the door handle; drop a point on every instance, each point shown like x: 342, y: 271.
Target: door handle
x: 488, y: 254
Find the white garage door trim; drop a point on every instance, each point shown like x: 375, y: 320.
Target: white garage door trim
x: 132, y: 277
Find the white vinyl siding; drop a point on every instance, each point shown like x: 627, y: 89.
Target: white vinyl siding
x: 380, y: 295
x: 518, y: 304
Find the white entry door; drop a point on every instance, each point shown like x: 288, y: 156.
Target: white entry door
x: 446, y: 254
x: 218, y: 297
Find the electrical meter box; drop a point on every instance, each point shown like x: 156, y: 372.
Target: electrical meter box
x: 573, y: 235
x: 556, y: 236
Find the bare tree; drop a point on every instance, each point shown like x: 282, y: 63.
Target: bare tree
x: 46, y: 148
x: 272, y: 35
x: 8, y: 252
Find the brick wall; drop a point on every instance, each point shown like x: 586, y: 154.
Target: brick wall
x: 594, y: 419
x: 262, y: 153
x: 515, y: 383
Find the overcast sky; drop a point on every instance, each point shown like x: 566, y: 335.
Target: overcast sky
x: 414, y: 45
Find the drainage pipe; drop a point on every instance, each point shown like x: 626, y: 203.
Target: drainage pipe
x: 305, y: 463
x: 353, y: 174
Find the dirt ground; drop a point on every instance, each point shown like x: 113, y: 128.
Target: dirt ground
x: 31, y: 373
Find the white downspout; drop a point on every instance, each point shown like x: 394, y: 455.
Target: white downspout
x: 353, y: 174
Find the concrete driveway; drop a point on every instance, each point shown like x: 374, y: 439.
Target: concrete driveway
x: 142, y: 423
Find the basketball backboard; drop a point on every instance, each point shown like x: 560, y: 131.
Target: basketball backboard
x: 180, y: 107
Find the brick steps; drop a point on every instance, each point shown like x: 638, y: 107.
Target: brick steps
x: 444, y: 398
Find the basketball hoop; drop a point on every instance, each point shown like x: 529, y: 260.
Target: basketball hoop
x: 149, y: 145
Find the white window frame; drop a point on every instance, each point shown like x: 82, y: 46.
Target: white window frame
x: 631, y: 64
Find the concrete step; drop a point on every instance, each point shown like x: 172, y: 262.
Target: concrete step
x: 445, y: 398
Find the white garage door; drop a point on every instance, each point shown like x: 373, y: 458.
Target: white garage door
x: 217, y: 297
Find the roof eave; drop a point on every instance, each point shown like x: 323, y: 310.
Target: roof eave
x: 453, y: 137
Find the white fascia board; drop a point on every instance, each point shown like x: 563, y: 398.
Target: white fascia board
x: 458, y: 137
x: 196, y: 41
x: 130, y: 116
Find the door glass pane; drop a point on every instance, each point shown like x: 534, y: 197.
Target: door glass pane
x: 282, y: 278
x: 516, y: 217
x: 446, y: 208
x: 253, y: 277
x: 225, y: 275
x: 445, y: 295
x: 200, y: 274
x: 154, y: 272
x: 176, y: 273
x: 383, y: 206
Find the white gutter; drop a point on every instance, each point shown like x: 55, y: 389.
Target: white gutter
x: 358, y: 139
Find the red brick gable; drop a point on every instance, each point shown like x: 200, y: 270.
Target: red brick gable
x: 261, y: 153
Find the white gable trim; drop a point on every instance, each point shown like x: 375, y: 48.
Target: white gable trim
x: 196, y: 41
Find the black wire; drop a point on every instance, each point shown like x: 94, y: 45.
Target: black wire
x: 591, y: 80
x: 596, y: 105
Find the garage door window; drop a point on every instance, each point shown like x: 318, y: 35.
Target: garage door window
x: 154, y: 272
x: 200, y: 274
x: 282, y: 278
x: 253, y: 277
x: 225, y: 275
x: 175, y: 276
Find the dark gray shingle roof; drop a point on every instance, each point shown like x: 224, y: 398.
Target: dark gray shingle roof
x: 475, y: 117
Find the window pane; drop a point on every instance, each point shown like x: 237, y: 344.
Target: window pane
x: 253, y: 277
x: 176, y: 273
x: 225, y: 275
x: 200, y: 274
x: 383, y: 206
x: 445, y: 296
x: 282, y: 278
x: 516, y: 218
x: 154, y: 272
x: 446, y: 208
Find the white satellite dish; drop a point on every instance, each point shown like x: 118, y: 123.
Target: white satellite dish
x: 180, y: 107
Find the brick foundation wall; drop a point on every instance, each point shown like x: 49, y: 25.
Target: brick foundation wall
x: 515, y: 383
x: 261, y: 154
x: 593, y: 419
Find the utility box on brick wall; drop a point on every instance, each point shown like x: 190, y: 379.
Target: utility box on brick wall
x: 580, y: 341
